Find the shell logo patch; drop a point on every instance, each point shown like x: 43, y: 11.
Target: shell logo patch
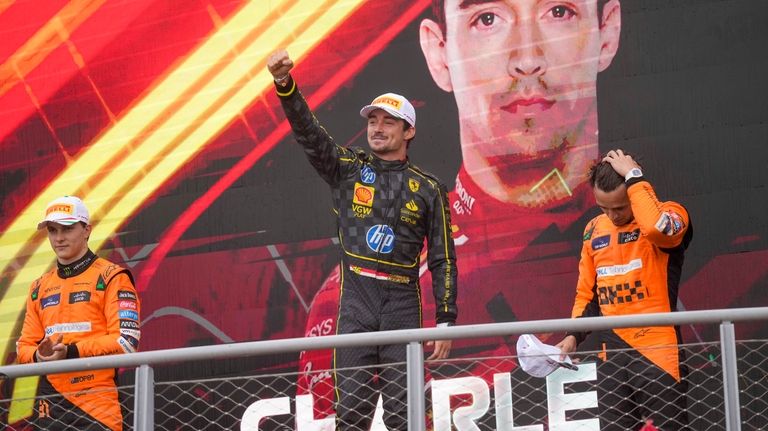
x: 363, y: 195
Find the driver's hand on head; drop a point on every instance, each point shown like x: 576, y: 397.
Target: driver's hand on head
x: 51, y: 349
x: 620, y: 162
x: 279, y: 64
x: 442, y: 349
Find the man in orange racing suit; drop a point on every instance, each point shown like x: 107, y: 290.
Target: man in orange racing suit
x: 631, y: 260
x: 86, y: 306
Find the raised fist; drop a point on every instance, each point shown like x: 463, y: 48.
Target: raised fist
x: 279, y: 64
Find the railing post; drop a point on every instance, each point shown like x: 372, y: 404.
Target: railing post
x: 730, y: 377
x: 415, y: 369
x: 144, y: 399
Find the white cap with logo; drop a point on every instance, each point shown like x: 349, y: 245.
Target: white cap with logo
x: 66, y: 210
x: 539, y: 359
x: 395, y: 104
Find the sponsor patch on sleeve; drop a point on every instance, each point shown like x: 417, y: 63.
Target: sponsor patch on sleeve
x: 129, y: 324
x: 677, y: 222
x: 126, y: 294
x: 135, y: 333
x: 670, y: 223
x: 127, y: 305
x: 128, y: 314
x: 127, y: 347
x: 132, y: 341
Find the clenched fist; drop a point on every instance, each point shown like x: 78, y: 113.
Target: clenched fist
x: 279, y: 64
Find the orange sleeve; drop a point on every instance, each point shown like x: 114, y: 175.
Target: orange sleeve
x: 32, y: 332
x: 585, y: 304
x: 663, y: 223
x: 120, y: 300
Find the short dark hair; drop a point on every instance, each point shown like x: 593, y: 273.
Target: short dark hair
x: 604, y: 177
x: 438, y: 12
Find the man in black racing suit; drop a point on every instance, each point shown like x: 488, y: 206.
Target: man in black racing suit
x: 386, y: 208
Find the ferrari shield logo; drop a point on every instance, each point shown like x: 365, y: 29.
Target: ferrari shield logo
x: 413, y: 184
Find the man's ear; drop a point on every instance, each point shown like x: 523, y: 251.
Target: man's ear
x: 410, y: 133
x: 433, y: 46
x: 610, y: 32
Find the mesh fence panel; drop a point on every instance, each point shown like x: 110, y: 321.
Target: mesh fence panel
x: 461, y: 394
x: 752, y: 358
x: 67, y: 411
x: 216, y: 404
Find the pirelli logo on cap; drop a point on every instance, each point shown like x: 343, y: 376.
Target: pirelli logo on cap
x: 384, y: 100
x: 60, y: 208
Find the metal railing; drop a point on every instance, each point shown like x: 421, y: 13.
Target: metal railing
x: 144, y: 391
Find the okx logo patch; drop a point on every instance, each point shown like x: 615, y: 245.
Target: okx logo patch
x: 380, y: 238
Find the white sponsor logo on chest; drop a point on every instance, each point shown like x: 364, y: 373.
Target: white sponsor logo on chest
x: 68, y: 328
x: 607, y: 271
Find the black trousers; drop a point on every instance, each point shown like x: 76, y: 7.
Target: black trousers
x: 370, y: 305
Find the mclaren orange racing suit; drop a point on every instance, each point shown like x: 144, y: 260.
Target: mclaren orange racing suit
x: 93, y: 304
x: 635, y: 269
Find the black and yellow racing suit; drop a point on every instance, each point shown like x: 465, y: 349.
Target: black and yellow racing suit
x: 385, y: 211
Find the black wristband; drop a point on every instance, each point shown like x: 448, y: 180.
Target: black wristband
x: 72, y: 351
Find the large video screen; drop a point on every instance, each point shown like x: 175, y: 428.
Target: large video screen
x: 162, y: 117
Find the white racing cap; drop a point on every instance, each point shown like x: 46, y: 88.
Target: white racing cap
x: 394, y: 104
x: 66, y: 210
x: 539, y: 359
